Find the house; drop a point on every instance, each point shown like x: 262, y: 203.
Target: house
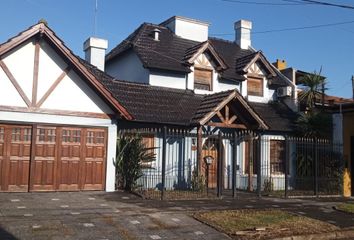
x: 59, y: 114
x: 205, y: 84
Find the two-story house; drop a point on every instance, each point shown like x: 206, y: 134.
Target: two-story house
x: 187, y: 69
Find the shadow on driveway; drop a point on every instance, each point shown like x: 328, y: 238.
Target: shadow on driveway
x: 5, y: 235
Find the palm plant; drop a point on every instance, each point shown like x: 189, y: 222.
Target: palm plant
x: 132, y: 158
x: 313, y: 89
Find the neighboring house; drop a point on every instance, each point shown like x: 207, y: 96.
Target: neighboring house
x: 343, y: 130
x: 342, y: 110
x: 184, y: 78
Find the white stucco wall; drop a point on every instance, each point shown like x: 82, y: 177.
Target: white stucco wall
x: 20, y: 62
x: 168, y: 79
x: 50, y: 68
x: 73, y: 94
x: 128, y: 67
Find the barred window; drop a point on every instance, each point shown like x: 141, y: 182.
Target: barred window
x: 277, y: 156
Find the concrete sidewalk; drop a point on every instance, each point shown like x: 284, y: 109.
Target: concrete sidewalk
x: 99, y: 215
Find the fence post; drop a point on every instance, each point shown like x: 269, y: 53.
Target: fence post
x: 163, y: 173
x: 286, y: 165
x: 257, y: 159
x: 234, y: 169
x: 316, y: 167
x: 220, y: 166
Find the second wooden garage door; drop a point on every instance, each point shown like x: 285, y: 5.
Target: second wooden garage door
x: 52, y: 158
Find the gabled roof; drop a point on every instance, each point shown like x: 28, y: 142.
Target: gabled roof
x: 152, y: 104
x: 43, y: 31
x: 194, y: 52
x: 245, y: 62
x: 166, y: 54
x: 215, y: 102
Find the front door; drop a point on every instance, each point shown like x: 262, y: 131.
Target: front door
x: 210, y: 149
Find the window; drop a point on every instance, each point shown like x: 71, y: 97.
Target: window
x: 149, y: 142
x: 16, y: 135
x: 277, y: 156
x: 255, y: 86
x: 203, y: 79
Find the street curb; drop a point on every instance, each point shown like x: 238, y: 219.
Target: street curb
x: 321, y: 236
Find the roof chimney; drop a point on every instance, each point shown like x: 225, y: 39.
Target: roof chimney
x: 243, y: 33
x: 156, y: 33
x: 188, y: 28
x: 95, y: 51
x: 280, y: 64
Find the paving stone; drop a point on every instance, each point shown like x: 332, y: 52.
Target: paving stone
x: 88, y: 225
x: 155, y: 237
x: 134, y: 222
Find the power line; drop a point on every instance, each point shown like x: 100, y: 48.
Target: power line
x: 327, y: 4
x: 266, y: 3
x: 292, y: 29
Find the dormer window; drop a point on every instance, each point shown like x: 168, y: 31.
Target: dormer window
x: 203, y: 79
x: 255, y: 86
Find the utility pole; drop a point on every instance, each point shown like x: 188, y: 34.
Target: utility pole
x: 353, y: 86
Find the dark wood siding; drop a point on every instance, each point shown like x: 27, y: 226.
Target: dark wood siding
x: 55, y: 158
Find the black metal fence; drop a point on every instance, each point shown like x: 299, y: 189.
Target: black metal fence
x: 217, y: 163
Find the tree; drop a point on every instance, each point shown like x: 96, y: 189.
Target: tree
x: 313, y: 122
x: 132, y: 158
x: 314, y: 87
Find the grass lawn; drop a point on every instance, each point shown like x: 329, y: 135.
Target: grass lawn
x: 262, y: 224
x: 347, y: 207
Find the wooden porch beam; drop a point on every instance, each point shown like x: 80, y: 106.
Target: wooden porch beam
x: 224, y: 125
x: 232, y: 119
x: 222, y: 119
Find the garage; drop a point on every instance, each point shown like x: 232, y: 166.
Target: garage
x: 52, y: 158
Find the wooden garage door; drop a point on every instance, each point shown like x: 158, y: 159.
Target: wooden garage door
x: 52, y: 159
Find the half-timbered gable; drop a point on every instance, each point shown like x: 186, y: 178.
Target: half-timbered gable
x: 57, y: 120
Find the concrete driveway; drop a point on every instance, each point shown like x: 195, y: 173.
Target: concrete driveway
x: 93, y: 215
x: 99, y: 215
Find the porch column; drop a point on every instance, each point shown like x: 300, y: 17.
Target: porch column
x: 199, y: 149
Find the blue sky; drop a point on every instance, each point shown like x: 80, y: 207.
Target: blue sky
x: 308, y: 50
